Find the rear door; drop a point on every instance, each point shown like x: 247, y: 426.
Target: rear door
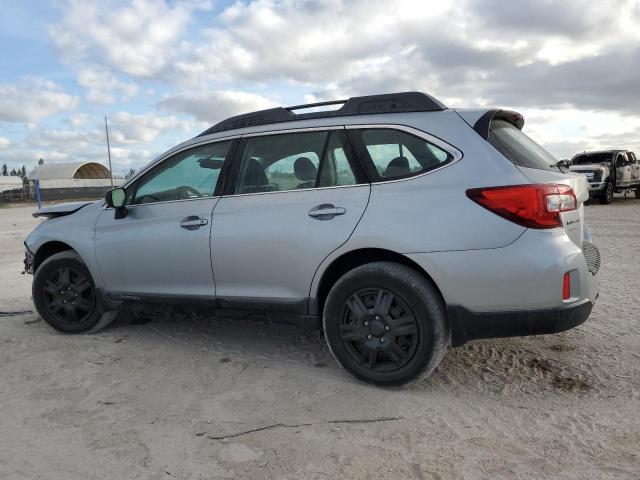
x: 292, y: 199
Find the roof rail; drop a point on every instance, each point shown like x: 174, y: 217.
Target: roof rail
x: 371, y: 104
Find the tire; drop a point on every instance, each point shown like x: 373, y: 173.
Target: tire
x: 637, y: 192
x: 65, y: 295
x: 606, y: 197
x: 395, y: 334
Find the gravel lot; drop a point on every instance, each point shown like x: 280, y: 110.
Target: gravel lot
x: 170, y: 398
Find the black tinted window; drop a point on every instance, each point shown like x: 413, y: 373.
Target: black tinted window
x: 397, y: 154
x: 518, y: 147
x: 589, y: 158
x: 292, y: 161
x: 189, y: 174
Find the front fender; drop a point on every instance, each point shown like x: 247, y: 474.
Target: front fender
x: 76, y: 230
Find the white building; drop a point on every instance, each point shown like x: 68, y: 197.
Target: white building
x: 9, y: 183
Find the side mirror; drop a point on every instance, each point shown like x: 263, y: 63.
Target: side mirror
x: 117, y: 198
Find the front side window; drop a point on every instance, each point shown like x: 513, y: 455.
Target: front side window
x: 189, y: 174
x: 293, y: 161
x: 398, y: 154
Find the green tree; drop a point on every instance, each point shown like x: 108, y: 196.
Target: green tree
x: 24, y: 172
x: 5, y: 170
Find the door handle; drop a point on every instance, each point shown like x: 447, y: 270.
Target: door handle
x: 326, y: 211
x: 193, y: 222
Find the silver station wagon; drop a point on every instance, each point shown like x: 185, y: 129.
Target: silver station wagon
x: 394, y: 224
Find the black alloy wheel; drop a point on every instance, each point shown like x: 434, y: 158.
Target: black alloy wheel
x: 378, y: 329
x: 386, y: 323
x: 69, y: 296
x: 65, y: 295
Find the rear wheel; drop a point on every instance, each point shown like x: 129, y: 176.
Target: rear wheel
x: 385, y: 323
x: 65, y: 296
x: 606, y: 197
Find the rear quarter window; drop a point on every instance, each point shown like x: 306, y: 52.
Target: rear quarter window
x: 398, y: 154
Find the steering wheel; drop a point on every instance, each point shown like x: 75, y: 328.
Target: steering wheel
x: 147, y: 199
x: 186, y: 191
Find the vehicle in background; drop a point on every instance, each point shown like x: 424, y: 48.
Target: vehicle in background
x: 608, y: 172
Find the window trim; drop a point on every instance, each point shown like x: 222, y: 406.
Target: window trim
x: 352, y: 158
x: 372, y: 171
x: 135, y: 182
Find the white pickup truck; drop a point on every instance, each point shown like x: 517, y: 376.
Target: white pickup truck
x: 608, y: 171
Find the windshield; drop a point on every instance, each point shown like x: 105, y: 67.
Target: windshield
x: 519, y: 148
x: 589, y: 158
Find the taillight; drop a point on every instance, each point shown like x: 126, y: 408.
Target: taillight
x: 532, y: 206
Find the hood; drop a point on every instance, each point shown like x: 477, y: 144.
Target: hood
x: 61, y: 209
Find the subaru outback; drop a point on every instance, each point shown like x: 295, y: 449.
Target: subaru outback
x: 395, y: 225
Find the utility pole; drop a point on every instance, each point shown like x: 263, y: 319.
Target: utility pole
x: 106, y: 129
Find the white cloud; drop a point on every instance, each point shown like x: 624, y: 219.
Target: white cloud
x: 4, y: 142
x: 135, y: 139
x: 32, y: 99
x: 211, y: 107
x: 103, y: 87
x: 130, y: 129
x: 139, y: 38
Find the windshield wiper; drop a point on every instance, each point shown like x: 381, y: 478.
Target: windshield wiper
x: 561, y: 164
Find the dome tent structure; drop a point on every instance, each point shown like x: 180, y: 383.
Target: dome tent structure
x: 72, y: 180
x: 70, y: 170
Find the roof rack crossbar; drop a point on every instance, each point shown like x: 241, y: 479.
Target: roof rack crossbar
x: 388, y: 103
x: 317, y: 104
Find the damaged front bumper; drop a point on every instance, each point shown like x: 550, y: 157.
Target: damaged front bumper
x: 28, y: 260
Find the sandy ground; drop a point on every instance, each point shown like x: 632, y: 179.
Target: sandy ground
x: 170, y: 399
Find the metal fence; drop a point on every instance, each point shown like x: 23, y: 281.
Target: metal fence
x: 52, y: 194
x: 17, y: 196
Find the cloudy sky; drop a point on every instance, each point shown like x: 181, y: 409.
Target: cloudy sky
x: 163, y: 71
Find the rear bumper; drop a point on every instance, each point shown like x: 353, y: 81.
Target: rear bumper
x: 467, y: 325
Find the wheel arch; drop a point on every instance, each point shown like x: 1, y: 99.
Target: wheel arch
x: 47, y: 249
x: 355, y: 258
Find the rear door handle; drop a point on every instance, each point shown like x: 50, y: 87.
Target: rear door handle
x: 326, y: 211
x: 193, y: 222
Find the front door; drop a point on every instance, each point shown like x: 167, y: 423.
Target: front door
x: 635, y: 168
x: 161, y: 248
x: 623, y: 171
x: 292, y: 200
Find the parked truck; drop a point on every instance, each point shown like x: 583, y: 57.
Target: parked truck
x: 608, y: 172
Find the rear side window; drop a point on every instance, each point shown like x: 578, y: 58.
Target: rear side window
x: 294, y: 161
x: 398, y: 154
x: 519, y: 148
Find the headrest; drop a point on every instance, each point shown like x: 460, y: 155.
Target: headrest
x: 397, y: 167
x: 304, y: 169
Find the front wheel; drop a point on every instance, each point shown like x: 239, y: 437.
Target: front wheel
x: 607, y: 194
x: 65, y: 296
x: 385, y: 323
